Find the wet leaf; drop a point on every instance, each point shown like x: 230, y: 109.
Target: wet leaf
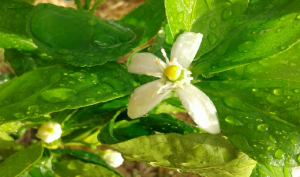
x: 261, y: 170
x: 55, y: 88
x: 71, y: 168
x: 212, y: 18
x: 13, y: 25
x: 21, y: 160
x: 8, y: 148
x: 150, y: 15
x: 204, y: 154
x: 260, y: 117
x: 79, y: 38
x: 266, y: 29
x: 86, y: 156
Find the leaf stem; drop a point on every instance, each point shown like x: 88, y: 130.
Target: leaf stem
x: 78, y: 4
x: 87, y: 4
x: 97, y: 3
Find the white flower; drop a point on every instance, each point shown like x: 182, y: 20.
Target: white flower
x: 49, y: 132
x: 174, y: 76
x: 296, y: 171
x: 113, y: 158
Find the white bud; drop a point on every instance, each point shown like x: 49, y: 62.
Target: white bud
x: 49, y: 132
x: 113, y: 158
x: 296, y: 171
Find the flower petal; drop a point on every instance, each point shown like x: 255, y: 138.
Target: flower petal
x: 144, y: 63
x: 185, y: 48
x: 200, y: 108
x: 145, y: 98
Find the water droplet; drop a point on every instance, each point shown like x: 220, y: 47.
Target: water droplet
x: 235, y: 104
x: 19, y: 115
x: 64, y: 51
x: 246, y: 46
x: 212, y: 39
x: 272, y: 139
x: 279, y: 154
x: 90, y: 100
x: 299, y: 158
x: 227, y: 13
x: 233, y: 121
x: 92, y: 22
x: 69, y: 58
x: 298, y: 17
x: 271, y: 148
x: 263, y: 127
x: 296, y: 91
x: 71, y: 166
x: 180, y: 16
x: 213, y: 24
x: 33, y: 109
x: 58, y: 95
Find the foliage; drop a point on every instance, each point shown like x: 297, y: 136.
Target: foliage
x: 66, y: 71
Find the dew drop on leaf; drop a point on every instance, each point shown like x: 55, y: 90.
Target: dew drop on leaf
x: 272, y: 139
x: 227, y: 13
x: 180, y: 16
x: 279, y: 154
x: 19, y: 115
x: 58, y: 95
x: 271, y: 148
x: 212, y: 39
x: 213, y: 24
x: 33, y: 109
x: 263, y: 127
x: 71, y: 166
x: 90, y: 100
x: 298, y: 158
x: 298, y: 17
x: 233, y: 121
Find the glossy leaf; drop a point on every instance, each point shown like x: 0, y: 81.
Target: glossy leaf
x: 21, y: 160
x: 261, y: 170
x: 115, y: 132
x: 285, y: 64
x: 151, y: 15
x: 8, y: 148
x: 56, y: 88
x: 13, y: 25
x: 79, y: 38
x: 95, y: 115
x: 71, y: 168
x: 86, y: 156
x: 212, y: 18
x: 204, y: 154
x: 260, y: 117
x: 19, y: 61
x: 267, y: 29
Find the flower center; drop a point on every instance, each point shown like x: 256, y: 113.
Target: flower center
x: 50, y: 130
x: 172, y: 72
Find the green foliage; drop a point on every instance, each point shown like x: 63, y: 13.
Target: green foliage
x: 266, y: 170
x: 61, y: 87
x: 266, y: 108
x: 21, y: 160
x: 13, y: 25
x: 150, y: 15
x: 212, y: 18
x: 79, y: 38
x: 71, y: 168
x: 204, y: 154
x: 262, y: 33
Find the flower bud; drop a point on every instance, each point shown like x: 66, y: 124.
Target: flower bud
x: 49, y: 132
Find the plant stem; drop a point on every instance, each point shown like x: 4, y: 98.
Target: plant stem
x: 97, y: 3
x: 87, y: 4
x: 78, y: 4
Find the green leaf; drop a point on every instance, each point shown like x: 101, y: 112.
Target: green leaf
x: 21, y: 160
x: 204, y: 154
x: 260, y: 117
x: 19, y: 61
x: 286, y: 64
x: 13, y: 25
x: 95, y: 115
x: 71, y: 168
x: 79, y: 38
x: 86, y: 156
x: 212, y: 18
x: 55, y: 88
x: 267, y: 29
x: 8, y: 148
x: 151, y: 15
x: 123, y: 130
x: 261, y: 170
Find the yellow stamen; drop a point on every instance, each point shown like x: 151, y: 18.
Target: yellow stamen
x: 50, y: 130
x: 172, y: 72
